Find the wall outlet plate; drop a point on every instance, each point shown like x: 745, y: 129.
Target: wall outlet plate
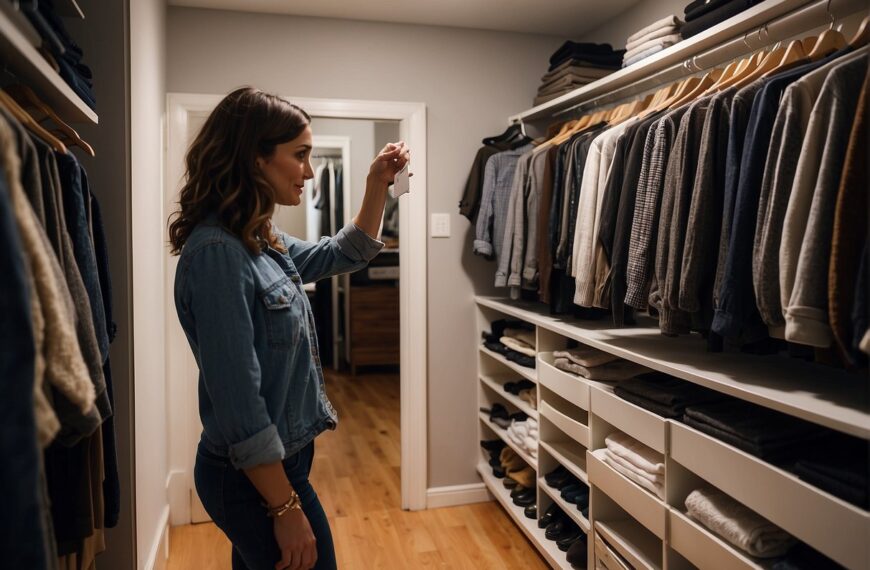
x: 440, y: 225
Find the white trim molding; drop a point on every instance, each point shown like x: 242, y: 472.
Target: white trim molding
x: 413, y: 293
x: 158, y: 554
x: 451, y: 496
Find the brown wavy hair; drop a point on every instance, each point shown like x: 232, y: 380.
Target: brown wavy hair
x: 221, y: 175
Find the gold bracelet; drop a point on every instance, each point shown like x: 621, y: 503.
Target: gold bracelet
x: 292, y: 504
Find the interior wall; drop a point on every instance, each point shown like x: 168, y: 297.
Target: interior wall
x: 617, y: 29
x: 470, y: 81
x: 147, y: 104
x: 104, y: 38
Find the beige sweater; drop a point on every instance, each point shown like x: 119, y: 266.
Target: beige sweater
x: 58, y: 352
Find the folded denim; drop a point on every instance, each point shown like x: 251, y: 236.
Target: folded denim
x: 669, y: 391
x: 521, y: 359
x: 778, y: 453
x: 649, y: 405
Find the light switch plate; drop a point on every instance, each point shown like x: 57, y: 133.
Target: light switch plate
x: 440, y: 225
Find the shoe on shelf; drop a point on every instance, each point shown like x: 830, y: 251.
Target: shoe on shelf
x: 526, y: 498
x: 507, y: 455
x: 524, y: 476
x: 509, y: 482
x: 517, y: 490
x: 519, y: 416
x: 516, y: 463
x: 492, y: 445
x: 572, y: 536
x: 577, y: 553
x: 556, y: 529
x: 531, y: 512
x: 556, y: 474
x: 518, y: 386
x: 498, y: 471
x: 552, y: 513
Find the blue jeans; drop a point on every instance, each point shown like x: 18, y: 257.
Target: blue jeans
x: 236, y: 508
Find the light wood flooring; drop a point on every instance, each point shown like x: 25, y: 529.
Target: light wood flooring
x: 356, y: 475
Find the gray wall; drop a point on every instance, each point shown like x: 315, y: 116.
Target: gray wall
x: 471, y: 81
x: 616, y: 30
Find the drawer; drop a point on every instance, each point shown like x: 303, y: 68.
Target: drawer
x: 643, y: 506
x: 644, y: 426
x: 569, y: 386
x: 632, y: 543
x: 810, y: 514
x: 573, y: 428
x: 703, y: 548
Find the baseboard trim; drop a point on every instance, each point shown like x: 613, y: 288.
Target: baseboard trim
x: 178, y: 492
x: 453, y: 495
x: 159, y: 553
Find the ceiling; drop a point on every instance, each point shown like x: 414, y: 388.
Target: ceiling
x: 567, y: 18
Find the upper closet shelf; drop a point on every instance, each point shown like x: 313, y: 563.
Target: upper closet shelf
x: 69, y: 9
x: 22, y: 59
x: 668, y: 64
x: 819, y: 394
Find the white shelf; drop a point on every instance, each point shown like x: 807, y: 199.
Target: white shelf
x: 547, y: 548
x: 819, y: 394
x: 777, y: 495
x: 497, y: 386
x: 504, y: 437
x: 574, y: 429
x: 569, y: 386
x: 30, y: 67
x: 570, y: 509
x: 731, y: 29
x: 569, y: 458
x: 528, y: 373
x: 633, y: 542
x: 644, y: 426
x: 649, y: 510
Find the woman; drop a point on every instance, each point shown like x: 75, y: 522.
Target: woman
x: 239, y: 297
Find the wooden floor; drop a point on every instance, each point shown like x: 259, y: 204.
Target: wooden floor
x: 356, y: 475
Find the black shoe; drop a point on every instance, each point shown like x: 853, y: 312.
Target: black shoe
x: 492, y: 445
x: 570, y: 490
x: 556, y: 529
x: 518, y: 416
x: 509, y: 482
x: 557, y: 472
x: 494, y: 462
x: 552, y: 513
x: 516, y: 387
x: 497, y: 411
x: 526, y: 498
x: 571, y: 537
x: 498, y: 471
x: 517, y: 490
x: 577, y: 553
x: 582, y: 502
x: 531, y: 512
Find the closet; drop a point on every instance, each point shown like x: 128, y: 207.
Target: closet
x: 669, y: 445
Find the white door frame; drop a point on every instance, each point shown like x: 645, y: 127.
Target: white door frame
x: 182, y: 397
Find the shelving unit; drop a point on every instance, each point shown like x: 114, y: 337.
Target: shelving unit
x: 497, y: 387
x: 502, y: 434
x: 647, y: 531
x: 527, y: 373
x: 24, y: 60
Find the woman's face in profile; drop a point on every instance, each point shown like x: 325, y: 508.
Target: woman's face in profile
x: 288, y: 168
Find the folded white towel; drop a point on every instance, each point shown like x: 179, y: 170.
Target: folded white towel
x: 517, y: 345
x: 522, y: 335
x: 653, y: 478
x: 642, y: 55
x: 666, y: 22
x: 660, y: 33
x: 657, y: 490
x: 636, y: 453
x: 586, y: 356
x: 739, y: 525
x: 662, y: 42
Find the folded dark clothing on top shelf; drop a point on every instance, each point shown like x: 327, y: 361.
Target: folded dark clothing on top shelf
x: 602, y: 55
x: 839, y: 465
x: 663, y: 394
x: 497, y: 346
x: 715, y: 16
x: 521, y: 359
x: 698, y: 8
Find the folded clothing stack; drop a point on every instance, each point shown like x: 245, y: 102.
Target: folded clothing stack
x: 525, y: 434
x: 493, y: 341
x: 636, y: 461
x: 764, y: 433
x: 837, y: 464
x: 574, y: 65
x: 520, y: 340
x: 61, y: 51
x: 652, y: 39
x: 739, y: 525
x: 594, y: 364
x: 663, y: 394
x: 525, y: 390
x: 704, y: 14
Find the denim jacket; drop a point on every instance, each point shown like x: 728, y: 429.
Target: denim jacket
x: 261, y: 392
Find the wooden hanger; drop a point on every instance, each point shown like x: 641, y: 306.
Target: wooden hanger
x: 31, y: 102
x: 660, y: 97
x: 808, y: 43
x: 793, y: 55
x: 700, y: 89
x: 829, y: 41
x: 862, y: 36
x: 687, y: 86
x: 751, y: 64
x: 30, y: 124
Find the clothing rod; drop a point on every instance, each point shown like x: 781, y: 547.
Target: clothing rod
x: 802, y: 18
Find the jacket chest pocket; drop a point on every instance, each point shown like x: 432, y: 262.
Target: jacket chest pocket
x: 284, y: 314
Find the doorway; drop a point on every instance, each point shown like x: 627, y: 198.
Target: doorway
x: 185, y: 115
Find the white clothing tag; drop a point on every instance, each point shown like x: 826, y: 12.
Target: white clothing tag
x: 401, y: 182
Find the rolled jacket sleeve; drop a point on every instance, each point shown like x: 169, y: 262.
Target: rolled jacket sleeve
x: 349, y: 250
x: 220, y: 291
